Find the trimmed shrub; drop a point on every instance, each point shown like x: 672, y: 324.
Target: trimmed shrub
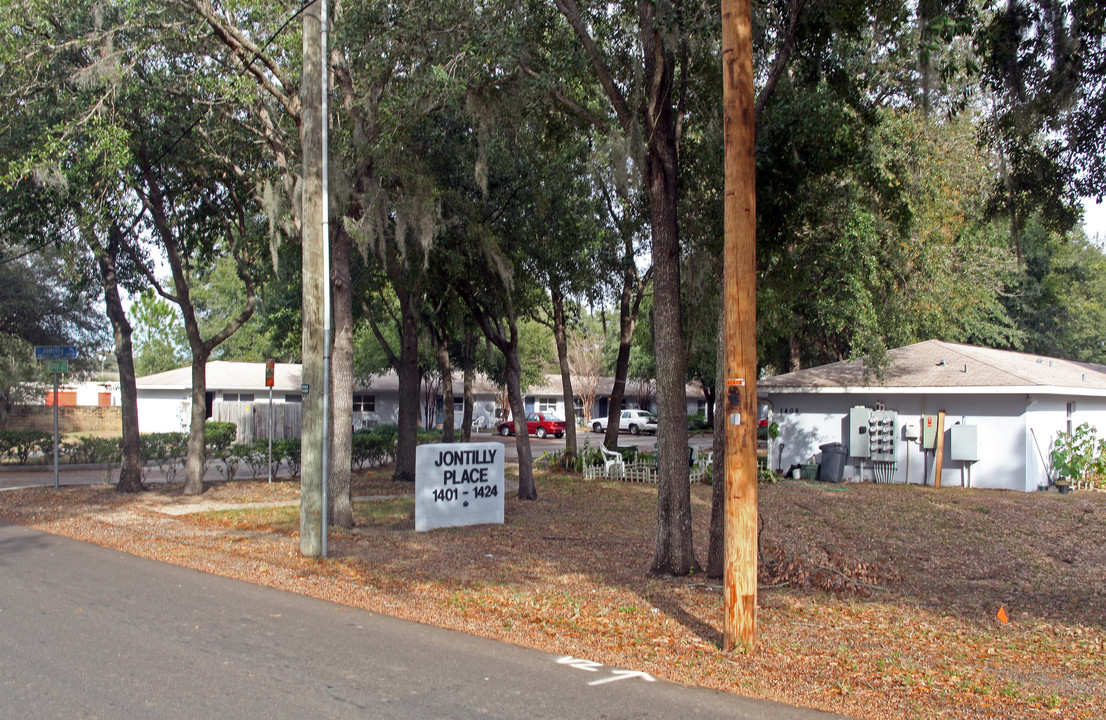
x: 21, y: 444
x: 220, y: 435
x: 374, y: 447
x: 289, y: 452
x: 166, y: 451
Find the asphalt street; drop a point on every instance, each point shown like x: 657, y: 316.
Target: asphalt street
x: 87, y: 632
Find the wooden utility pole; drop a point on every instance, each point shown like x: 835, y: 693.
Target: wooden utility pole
x: 939, y: 450
x: 311, y: 437
x: 739, y: 280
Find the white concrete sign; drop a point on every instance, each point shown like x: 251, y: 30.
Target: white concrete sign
x: 458, y: 484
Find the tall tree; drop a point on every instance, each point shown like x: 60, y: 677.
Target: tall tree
x: 62, y: 90
x: 640, y: 73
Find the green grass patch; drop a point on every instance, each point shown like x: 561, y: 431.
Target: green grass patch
x: 384, y: 512
x: 281, y: 519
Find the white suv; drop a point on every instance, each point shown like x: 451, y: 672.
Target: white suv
x: 633, y: 421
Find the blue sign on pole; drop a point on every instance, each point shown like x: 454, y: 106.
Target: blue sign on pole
x: 55, y: 352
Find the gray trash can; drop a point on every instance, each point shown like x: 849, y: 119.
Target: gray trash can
x: 833, y: 462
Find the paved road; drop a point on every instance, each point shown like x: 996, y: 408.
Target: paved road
x: 12, y: 477
x: 87, y: 632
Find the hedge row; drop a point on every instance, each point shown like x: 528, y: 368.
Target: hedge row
x: 167, y: 451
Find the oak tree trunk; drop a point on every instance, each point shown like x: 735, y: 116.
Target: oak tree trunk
x: 409, y: 376
x: 197, y: 427
x: 566, y: 372
x: 341, y: 384
x: 130, y: 469
x: 674, y: 553
x: 526, y: 488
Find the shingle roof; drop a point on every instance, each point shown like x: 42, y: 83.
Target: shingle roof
x: 935, y: 365
x: 550, y: 386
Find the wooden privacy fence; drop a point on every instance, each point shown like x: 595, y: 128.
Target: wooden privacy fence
x: 252, y: 419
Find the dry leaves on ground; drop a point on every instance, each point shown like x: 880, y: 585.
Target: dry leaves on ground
x: 877, y: 601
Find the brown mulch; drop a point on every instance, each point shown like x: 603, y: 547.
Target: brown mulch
x: 876, y: 601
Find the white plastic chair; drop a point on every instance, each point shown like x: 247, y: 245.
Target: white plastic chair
x: 612, y: 460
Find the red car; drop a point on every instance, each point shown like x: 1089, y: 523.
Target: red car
x: 539, y: 424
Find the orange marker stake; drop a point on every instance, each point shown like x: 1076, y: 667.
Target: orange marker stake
x: 1002, y: 615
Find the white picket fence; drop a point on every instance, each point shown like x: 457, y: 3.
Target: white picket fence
x: 642, y: 471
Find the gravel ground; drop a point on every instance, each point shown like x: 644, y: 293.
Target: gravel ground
x: 876, y: 601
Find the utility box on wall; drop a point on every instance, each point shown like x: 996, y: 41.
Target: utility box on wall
x: 929, y: 432
x: 883, y: 435
x: 965, y: 443
x: 873, y: 433
x: 858, y: 431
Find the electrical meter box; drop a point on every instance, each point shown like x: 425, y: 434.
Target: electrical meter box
x: 964, y: 442
x: 883, y: 436
x: 929, y: 432
x: 858, y: 431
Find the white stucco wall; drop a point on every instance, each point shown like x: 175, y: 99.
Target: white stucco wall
x: 1008, y: 455
x: 1048, y: 415
x: 164, y: 410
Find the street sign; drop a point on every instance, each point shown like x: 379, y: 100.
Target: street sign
x: 56, y: 366
x: 270, y: 372
x: 55, y: 352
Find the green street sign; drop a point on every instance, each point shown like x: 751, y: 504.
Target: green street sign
x: 56, y: 366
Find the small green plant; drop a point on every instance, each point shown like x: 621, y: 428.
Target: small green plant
x: 1079, y: 457
x: 768, y: 432
x: 590, y: 456
x: 764, y: 473
x: 561, y: 461
x: 697, y: 422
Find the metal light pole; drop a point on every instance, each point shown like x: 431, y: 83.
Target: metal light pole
x: 325, y: 123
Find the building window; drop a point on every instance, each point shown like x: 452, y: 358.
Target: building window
x: 547, y: 405
x: 364, y: 403
x: 245, y: 397
x: 230, y: 397
x: 293, y: 398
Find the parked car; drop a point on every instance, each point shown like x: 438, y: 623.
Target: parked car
x: 539, y: 424
x: 634, y: 422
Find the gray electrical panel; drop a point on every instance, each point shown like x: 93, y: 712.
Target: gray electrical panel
x: 858, y: 432
x: 964, y: 443
x: 883, y: 436
x: 873, y: 433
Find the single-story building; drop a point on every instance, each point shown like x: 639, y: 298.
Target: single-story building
x: 548, y: 396
x: 81, y: 394
x: 1000, y: 412
x: 235, y: 388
